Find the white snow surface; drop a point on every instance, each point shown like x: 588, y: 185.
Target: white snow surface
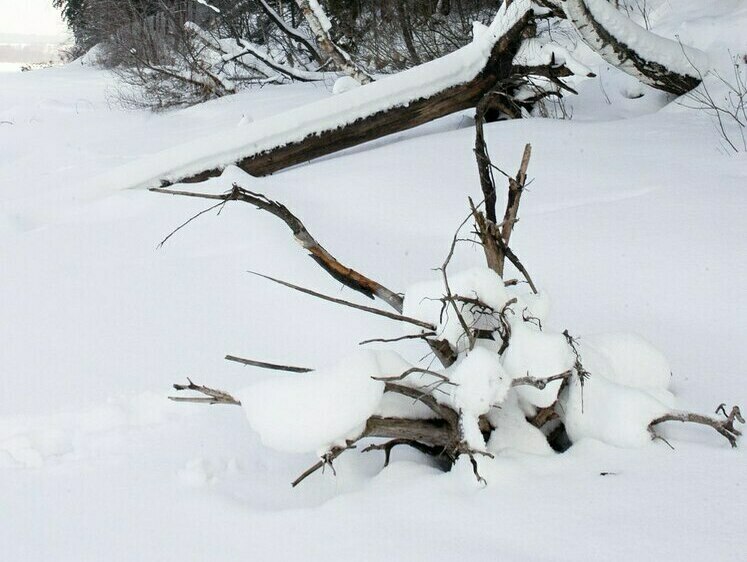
x: 634, y: 223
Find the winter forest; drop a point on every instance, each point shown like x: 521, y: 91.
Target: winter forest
x: 373, y: 280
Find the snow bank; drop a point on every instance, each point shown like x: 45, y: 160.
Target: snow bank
x: 310, y: 412
x: 615, y: 414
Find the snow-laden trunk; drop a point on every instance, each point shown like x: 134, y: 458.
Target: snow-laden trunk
x: 390, y: 105
x: 659, y: 62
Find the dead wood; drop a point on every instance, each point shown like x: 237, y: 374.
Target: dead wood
x: 369, y: 309
x: 345, y: 275
x: 265, y: 365
x: 724, y: 427
x: 211, y: 395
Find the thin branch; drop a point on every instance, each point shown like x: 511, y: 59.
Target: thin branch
x: 345, y: 275
x: 212, y: 395
x: 424, y: 336
x: 270, y: 366
x: 541, y: 383
x: 376, y: 311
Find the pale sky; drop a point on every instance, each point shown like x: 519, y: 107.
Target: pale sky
x: 30, y: 17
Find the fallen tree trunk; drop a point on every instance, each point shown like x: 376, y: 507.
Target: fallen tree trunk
x: 445, y: 86
x: 393, y: 104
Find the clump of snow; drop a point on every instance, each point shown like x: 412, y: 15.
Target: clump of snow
x: 480, y: 382
x: 424, y: 301
x: 321, y: 15
x: 344, y: 84
x: 309, y: 412
x: 538, y: 354
x: 615, y: 414
x: 512, y: 430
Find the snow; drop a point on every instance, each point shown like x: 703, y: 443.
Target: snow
x: 321, y: 15
x: 424, y: 301
x: 633, y: 361
x: 311, y: 411
x: 480, y: 382
x: 670, y: 53
x: 615, y: 414
x: 513, y: 432
x: 96, y: 324
x: 344, y: 83
x: 538, y: 354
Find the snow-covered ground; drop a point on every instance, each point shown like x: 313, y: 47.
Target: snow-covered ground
x: 634, y: 222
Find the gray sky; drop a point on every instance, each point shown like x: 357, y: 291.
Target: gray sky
x: 30, y: 17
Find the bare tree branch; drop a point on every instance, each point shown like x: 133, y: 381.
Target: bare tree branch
x: 270, y: 366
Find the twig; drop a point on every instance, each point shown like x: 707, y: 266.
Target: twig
x: 264, y: 365
x: 389, y: 445
x: 185, y: 223
x: 213, y: 396
x: 413, y: 370
x: 540, y: 383
x: 326, y: 460
x: 343, y: 302
x: 345, y: 275
x: 390, y: 340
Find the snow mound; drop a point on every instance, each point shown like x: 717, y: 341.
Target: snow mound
x: 344, y: 84
x: 512, y: 430
x: 538, y: 354
x: 604, y: 410
x: 480, y: 382
x: 310, y: 412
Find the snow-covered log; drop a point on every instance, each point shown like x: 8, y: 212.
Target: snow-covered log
x: 654, y: 60
x: 390, y: 105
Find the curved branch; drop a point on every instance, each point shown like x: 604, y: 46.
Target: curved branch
x: 724, y: 427
x: 618, y: 40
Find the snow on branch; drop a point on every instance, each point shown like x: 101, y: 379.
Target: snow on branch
x: 654, y: 60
